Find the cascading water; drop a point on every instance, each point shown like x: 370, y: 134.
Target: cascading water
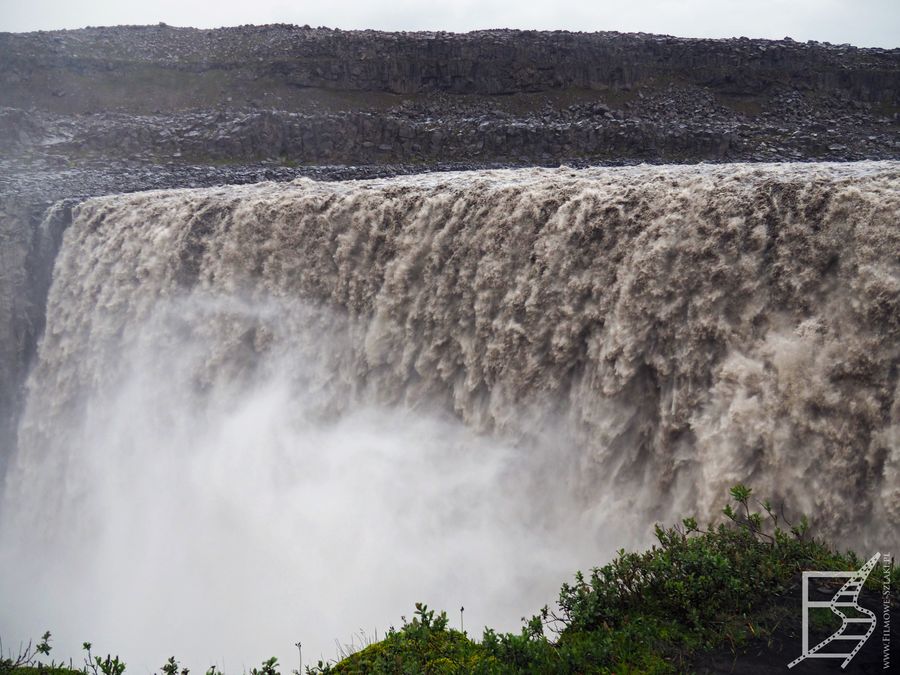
x: 273, y: 413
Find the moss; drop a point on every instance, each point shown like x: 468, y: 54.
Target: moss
x: 41, y: 669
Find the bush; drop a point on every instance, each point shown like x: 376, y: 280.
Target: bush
x: 28, y: 661
x: 644, y: 612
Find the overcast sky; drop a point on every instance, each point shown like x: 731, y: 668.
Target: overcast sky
x: 861, y: 22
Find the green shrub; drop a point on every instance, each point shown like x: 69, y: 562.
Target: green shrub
x: 646, y: 612
x: 28, y: 661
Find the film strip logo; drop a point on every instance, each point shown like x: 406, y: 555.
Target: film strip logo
x: 857, y: 623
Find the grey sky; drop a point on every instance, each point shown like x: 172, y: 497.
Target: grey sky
x: 859, y: 22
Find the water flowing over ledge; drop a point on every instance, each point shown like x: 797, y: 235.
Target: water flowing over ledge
x: 683, y: 328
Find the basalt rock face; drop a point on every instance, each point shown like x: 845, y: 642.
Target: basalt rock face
x: 285, y: 93
x: 30, y: 236
x: 483, y: 62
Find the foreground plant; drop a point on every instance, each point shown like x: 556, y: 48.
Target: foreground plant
x: 694, y: 591
x: 27, y: 658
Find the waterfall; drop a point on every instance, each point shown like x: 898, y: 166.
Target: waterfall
x: 462, y: 385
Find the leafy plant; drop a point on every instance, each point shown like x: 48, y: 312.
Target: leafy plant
x: 269, y: 667
x: 27, y: 657
x: 96, y: 665
x: 695, y: 590
x: 171, y: 667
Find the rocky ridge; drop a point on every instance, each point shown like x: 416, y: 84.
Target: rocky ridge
x: 295, y: 95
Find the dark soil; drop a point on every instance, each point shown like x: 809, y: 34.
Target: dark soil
x: 780, y: 640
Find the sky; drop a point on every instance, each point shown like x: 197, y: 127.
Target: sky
x: 865, y: 23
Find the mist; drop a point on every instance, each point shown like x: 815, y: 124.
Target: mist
x: 222, y: 521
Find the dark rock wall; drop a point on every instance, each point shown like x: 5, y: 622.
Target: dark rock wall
x: 318, y: 96
x: 484, y: 62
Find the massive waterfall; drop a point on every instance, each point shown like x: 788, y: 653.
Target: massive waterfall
x: 279, y: 412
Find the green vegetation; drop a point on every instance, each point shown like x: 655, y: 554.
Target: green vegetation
x: 28, y: 661
x: 659, y: 611
x: 652, y: 612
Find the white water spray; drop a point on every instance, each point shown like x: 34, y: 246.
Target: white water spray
x: 284, y: 412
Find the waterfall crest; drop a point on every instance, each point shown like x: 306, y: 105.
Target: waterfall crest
x: 683, y: 328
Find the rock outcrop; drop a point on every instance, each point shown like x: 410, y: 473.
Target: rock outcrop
x: 299, y: 95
